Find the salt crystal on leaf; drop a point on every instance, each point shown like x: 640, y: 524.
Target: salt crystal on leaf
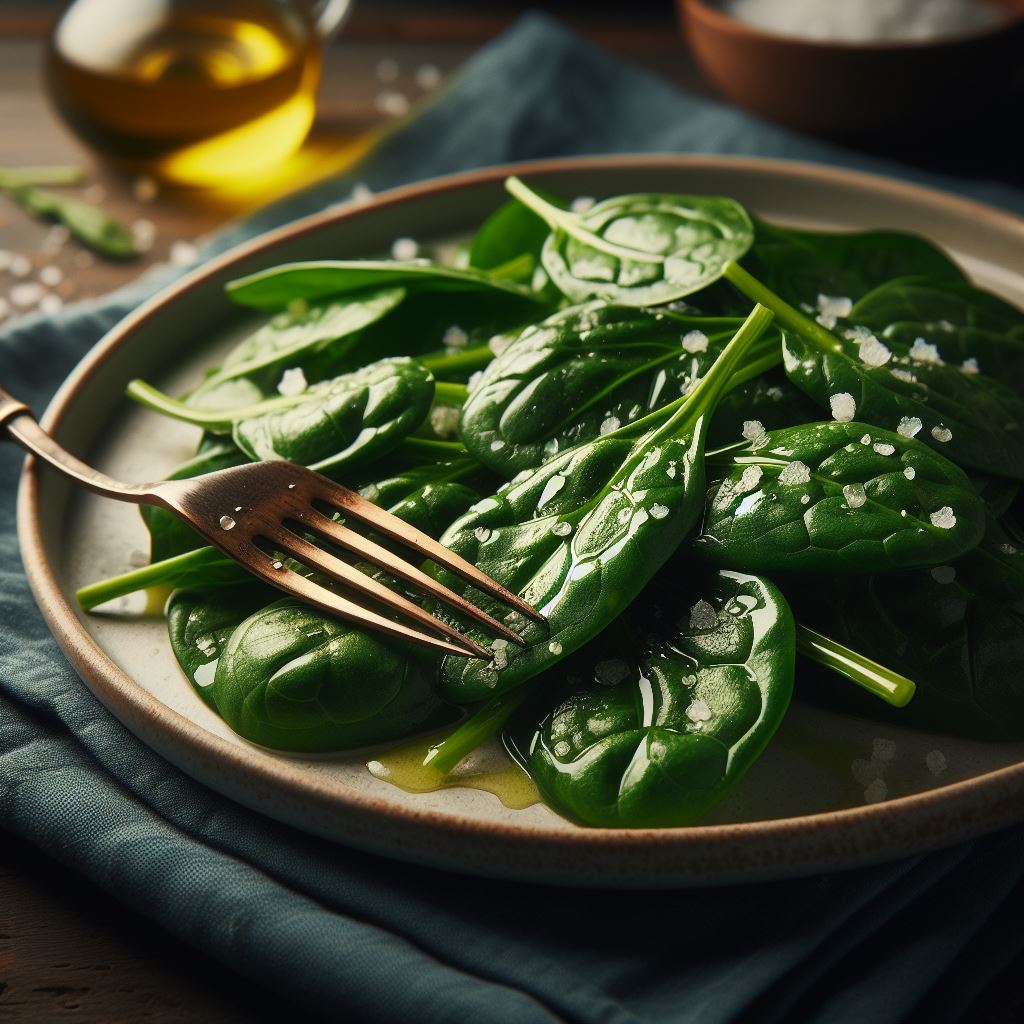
x: 293, y: 382
x: 444, y: 419
x: 910, y: 472
x: 795, y: 473
x: 698, y: 711
x: 695, y: 341
x: 455, y: 337
x: 942, y: 434
x: 910, y: 426
x: 944, y: 519
x: 659, y: 511
x: 924, y: 352
x: 753, y: 430
x: 904, y: 375
x: 844, y: 408
x: 703, y: 616
x: 581, y: 204
x: 482, y: 534
x: 750, y: 478
x: 884, y: 448
x: 872, y: 352
x: 561, y: 529
x: 609, y: 424
x: 834, y: 305
x: 855, y: 495
x: 970, y: 366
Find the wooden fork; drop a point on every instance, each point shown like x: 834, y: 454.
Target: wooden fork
x: 259, y: 512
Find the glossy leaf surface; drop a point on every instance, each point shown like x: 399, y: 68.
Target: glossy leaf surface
x: 640, y: 250
x: 839, y: 497
x: 582, y: 372
x: 671, y: 708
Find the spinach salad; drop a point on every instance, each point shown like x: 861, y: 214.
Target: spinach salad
x: 721, y: 456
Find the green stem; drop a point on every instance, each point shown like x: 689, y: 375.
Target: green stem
x: 16, y: 177
x: 714, y: 383
x: 447, y: 393
x: 219, y: 421
x: 785, y: 314
x: 878, y: 680
x: 483, y: 724
x: 563, y: 220
x: 519, y: 267
x: 474, y: 358
x: 166, y: 572
x: 443, y: 449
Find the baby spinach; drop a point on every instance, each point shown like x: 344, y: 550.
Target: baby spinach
x: 840, y: 498
x: 669, y: 716
x: 639, y: 250
x: 801, y: 265
x: 509, y: 243
x: 579, y: 537
x: 295, y: 679
x: 327, y: 426
x: 278, y: 286
x: 296, y: 339
x: 586, y: 371
x: 971, y: 418
x: 957, y: 629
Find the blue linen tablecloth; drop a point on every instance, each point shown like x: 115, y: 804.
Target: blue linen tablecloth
x: 347, y: 935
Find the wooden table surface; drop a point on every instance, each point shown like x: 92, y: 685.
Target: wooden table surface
x: 67, y: 951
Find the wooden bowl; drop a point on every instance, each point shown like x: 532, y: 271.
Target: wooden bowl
x: 859, y: 91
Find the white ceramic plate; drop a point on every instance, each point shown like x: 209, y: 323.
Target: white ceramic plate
x: 803, y: 806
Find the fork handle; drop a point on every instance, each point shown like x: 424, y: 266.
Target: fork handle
x: 19, y: 425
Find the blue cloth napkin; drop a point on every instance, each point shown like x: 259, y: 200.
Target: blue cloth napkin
x: 347, y: 935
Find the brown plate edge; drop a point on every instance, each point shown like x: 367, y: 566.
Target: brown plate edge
x: 634, y: 858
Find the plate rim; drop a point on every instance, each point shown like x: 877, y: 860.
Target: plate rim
x: 705, y: 853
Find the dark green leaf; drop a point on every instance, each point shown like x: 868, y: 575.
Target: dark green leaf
x: 584, y: 372
x: 88, y: 223
x: 640, y: 250
x: 670, y: 716
x: 321, y: 279
x: 839, y: 497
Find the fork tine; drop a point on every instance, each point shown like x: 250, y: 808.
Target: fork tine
x: 316, y: 558
x: 358, y: 507
x: 399, y: 568
x: 312, y: 593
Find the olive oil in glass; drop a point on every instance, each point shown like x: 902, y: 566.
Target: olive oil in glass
x: 194, y: 93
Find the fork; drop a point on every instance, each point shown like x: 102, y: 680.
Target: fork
x: 257, y: 512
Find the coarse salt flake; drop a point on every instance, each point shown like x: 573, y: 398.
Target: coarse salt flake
x: 444, y: 419
x: 293, y: 382
x: 659, y: 511
x: 942, y: 434
x: 703, y: 615
x: 582, y: 203
x: 909, y: 426
x: 750, y: 478
x: 855, y: 495
x: 795, y: 473
x: 753, y: 430
x: 944, y: 518
x: 698, y: 711
x: 610, y: 423
x: 924, y: 352
x: 455, y: 337
x: 970, y: 366
x: 910, y: 472
x: 872, y: 352
x: 884, y: 448
x: 561, y: 529
x: 844, y: 408
x: 695, y: 341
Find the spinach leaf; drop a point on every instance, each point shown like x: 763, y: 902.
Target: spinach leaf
x: 276, y: 287
x: 586, y: 371
x: 200, y: 623
x: 295, y: 679
x: 669, y: 718
x: 89, y: 224
x: 801, y: 265
x: 328, y: 426
x: 769, y: 399
x: 639, y: 250
x: 842, y: 498
x: 509, y: 242
x: 957, y: 629
x: 965, y: 324
x: 970, y: 418
x: 297, y: 339
x: 579, y: 537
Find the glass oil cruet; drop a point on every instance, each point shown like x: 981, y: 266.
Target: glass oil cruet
x: 196, y: 92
